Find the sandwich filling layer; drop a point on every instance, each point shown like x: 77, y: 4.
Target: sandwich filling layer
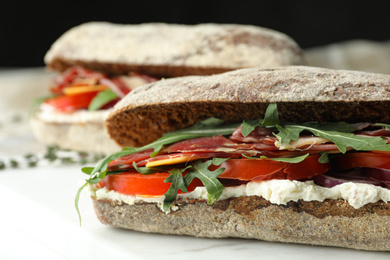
x: 47, y: 114
x: 79, y: 89
x: 278, y: 161
x: 276, y: 191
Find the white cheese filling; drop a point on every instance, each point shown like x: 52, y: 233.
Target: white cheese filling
x: 48, y: 114
x: 302, y: 141
x: 276, y: 191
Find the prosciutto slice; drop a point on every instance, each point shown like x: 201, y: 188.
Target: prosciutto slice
x: 260, y: 134
x: 202, y: 144
x: 376, y: 132
x: 219, y: 144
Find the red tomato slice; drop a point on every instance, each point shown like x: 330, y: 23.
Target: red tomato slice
x: 132, y: 183
x: 306, y: 169
x: 237, y: 170
x: 72, y: 102
x: 379, y: 160
x: 267, y: 169
x: 248, y: 169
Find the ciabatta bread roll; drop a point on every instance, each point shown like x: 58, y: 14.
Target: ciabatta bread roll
x: 171, y: 50
x: 302, y: 93
x: 146, y: 52
x: 290, y: 154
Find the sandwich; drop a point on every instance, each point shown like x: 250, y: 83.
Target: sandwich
x: 100, y: 62
x: 292, y: 154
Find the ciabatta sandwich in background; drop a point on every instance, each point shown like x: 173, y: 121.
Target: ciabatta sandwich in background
x: 101, y: 62
x: 358, y: 54
x: 291, y: 154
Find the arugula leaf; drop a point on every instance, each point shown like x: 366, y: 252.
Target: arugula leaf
x: 150, y: 170
x: 342, y: 140
x: 77, y: 198
x: 324, y: 158
x: 100, y: 170
x: 296, y: 159
x: 286, y: 134
x: 271, y: 118
x: 177, y: 183
x: 209, y: 179
x: 249, y: 125
x: 385, y: 126
x: 87, y: 170
x: 102, y: 98
x: 218, y: 161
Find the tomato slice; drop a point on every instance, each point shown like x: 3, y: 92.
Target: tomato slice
x: 306, y: 169
x: 379, y: 160
x: 236, y: 170
x: 133, y: 183
x: 267, y: 169
x: 248, y: 169
x: 69, y: 103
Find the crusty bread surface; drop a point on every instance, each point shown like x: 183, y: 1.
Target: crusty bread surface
x: 328, y: 223
x: 170, y: 50
x: 302, y: 94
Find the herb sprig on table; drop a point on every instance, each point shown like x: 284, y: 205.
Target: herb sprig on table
x: 53, y: 155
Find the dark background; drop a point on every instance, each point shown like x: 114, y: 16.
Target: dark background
x: 27, y: 28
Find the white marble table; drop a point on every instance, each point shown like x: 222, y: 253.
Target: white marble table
x: 38, y: 219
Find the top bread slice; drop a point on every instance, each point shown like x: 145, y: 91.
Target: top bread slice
x: 303, y: 94
x: 170, y: 50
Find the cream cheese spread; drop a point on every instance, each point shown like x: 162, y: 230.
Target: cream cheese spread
x: 276, y: 191
x: 48, y: 114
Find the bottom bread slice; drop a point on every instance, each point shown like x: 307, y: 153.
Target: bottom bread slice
x: 327, y: 223
x: 77, y: 136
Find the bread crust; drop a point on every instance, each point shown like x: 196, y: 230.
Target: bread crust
x: 327, y: 223
x: 303, y: 94
x: 171, y: 50
x: 83, y: 136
